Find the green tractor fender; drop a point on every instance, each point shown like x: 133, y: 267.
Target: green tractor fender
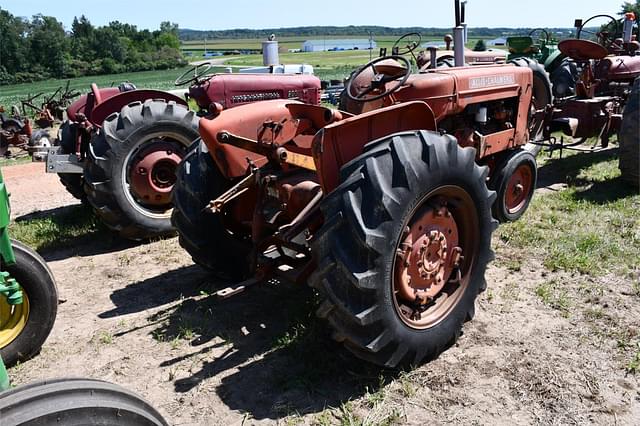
x: 553, y: 61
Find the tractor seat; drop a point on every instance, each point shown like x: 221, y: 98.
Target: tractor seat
x: 582, y: 50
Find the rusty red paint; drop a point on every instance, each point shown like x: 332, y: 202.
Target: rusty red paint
x: 427, y: 255
x: 341, y: 142
x: 518, y: 189
x: 233, y: 90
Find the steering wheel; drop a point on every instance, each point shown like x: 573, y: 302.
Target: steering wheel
x: 193, y: 74
x: 606, y: 35
x: 407, y: 43
x: 543, y: 32
x: 379, y: 80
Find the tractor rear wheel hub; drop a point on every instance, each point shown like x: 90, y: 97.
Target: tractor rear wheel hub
x: 153, y: 173
x: 429, y: 252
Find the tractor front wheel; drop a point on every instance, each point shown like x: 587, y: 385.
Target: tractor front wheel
x: 131, y: 166
x: 514, y: 181
x: 76, y: 402
x: 25, y: 327
x: 404, y: 248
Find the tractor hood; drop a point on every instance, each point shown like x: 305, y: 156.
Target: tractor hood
x: 232, y: 90
x: 619, y: 68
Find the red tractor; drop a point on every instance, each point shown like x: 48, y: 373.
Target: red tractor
x: 120, y: 146
x: 608, y: 66
x: 386, y: 210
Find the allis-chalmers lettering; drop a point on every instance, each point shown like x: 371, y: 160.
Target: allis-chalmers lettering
x: 491, y: 81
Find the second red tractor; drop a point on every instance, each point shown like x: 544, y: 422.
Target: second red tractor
x: 385, y: 209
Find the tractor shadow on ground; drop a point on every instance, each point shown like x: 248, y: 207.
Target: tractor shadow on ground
x: 73, y: 230
x: 165, y: 288
x: 275, y: 356
x: 566, y: 170
x: 607, y: 191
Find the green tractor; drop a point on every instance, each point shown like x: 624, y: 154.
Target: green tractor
x: 538, y: 45
x: 28, y: 294
x: 539, y: 51
x: 28, y: 307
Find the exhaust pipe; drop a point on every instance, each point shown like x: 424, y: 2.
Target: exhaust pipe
x: 458, y: 34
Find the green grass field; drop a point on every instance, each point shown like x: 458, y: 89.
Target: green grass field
x: 11, y: 95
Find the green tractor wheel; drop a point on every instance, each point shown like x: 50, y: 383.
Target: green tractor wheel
x: 24, y: 327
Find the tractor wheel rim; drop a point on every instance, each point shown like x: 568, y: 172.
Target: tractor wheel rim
x: 150, y: 173
x: 434, y: 257
x: 518, y: 189
x: 13, y: 319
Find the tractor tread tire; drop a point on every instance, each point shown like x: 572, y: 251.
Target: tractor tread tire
x: 106, y: 155
x: 541, y: 87
x: 73, y: 182
x: 201, y: 233
x: 75, y: 402
x: 564, y: 77
x: 629, y: 137
x: 37, y: 281
x: 507, y: 164
x: 355, y: 247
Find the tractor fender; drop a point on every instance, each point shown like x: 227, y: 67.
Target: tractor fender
x: 119, y: 101
x: 245, y: 121
x: 553, y: 61
x: 340, y: 142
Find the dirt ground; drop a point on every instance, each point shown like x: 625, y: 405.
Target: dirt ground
x: 140, y: 315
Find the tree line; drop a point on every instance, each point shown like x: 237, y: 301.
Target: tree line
x: 40, y: 48
x: 364, y: 31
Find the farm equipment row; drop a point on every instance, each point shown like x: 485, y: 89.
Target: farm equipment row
x: 385, y: 206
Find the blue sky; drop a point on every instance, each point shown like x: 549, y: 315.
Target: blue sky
x: 215, y: 14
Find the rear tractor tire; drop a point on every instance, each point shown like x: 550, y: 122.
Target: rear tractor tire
x: 629, y: 138
x: 76, y: 402
x: 404, y: 248
x: 202, y: 233
x: 514, y: 181
x: 131, y: 166
x: 25, y: 327
x: 542, y: 96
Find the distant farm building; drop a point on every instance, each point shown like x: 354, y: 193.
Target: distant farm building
x: 497, y: 42
x: 335, y: 45
x: 436, y: 44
